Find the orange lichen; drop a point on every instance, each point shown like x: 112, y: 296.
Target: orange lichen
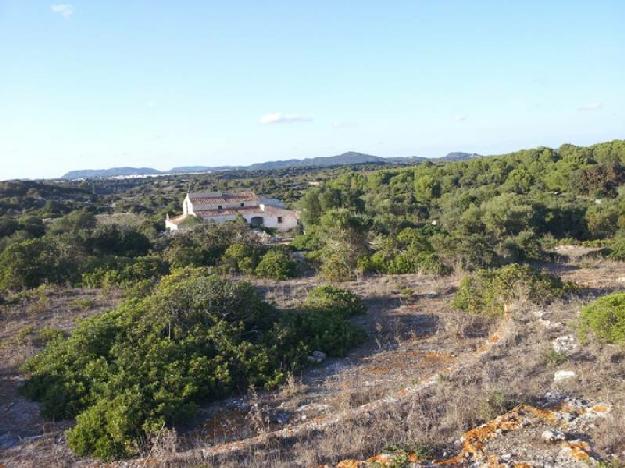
x: 579, y: 450
x: 382, y: 458
x: 350, y: 464
x: 493, y: 462
x: 544, y: 414
x: 475, y: 439
x: 601, y: 408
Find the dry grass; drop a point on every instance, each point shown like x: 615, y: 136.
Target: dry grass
x: 413, y: 335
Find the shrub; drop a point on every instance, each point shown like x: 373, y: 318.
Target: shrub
x: 32, y: 262
x: 276, y: 264
x: 124, y: 272
x: 113, y: 239
x: 125, y: 373
x: 329, y: 298
x: 486, y: 291
x: 336, y: 267
x: 605, y: 319
x: 326, y: 330
x: 616, y: 249
x: 240, y: 258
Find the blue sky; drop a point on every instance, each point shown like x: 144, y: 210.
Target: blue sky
x: 96, y: 84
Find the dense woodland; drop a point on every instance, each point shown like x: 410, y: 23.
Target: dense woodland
x: 185, y: 334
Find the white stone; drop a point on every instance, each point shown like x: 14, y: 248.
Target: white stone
x: 552, y: 436
x: 563, y: 375
x: 549, y: 325
x: 565, y: 344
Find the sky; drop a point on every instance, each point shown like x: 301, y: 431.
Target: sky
x: 90, y: 84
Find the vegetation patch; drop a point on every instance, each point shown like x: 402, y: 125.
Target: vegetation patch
x: 604, y: 319
x: 148, y: 363
x: 487, y: 291
x: 336, y: 300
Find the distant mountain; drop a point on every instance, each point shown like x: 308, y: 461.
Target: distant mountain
x: 112, y: 172
x: 460, y: 156
x: 346, y: 159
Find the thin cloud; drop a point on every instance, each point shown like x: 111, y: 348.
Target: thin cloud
x: 280, y: 118
x: 343, y: 124
x: 460, y: 118
x: 593, y: 106
x: 64, y: 9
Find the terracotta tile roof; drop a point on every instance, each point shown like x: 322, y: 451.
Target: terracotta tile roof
x: 222, y: 197
x: 231, y: 211
x: 280, y: 211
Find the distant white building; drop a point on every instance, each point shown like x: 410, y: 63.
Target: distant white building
x: 226, y: 206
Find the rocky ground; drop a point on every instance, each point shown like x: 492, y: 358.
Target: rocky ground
x: 429, y: 386
x: 26, y: 323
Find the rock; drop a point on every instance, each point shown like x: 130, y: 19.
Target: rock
x: 552, y: 435
x: 279, y: 417
x: 561, y: 375
x: 317, y: 357
x: 565, y: 344
x: 575, y: 453
x: 549, y: 325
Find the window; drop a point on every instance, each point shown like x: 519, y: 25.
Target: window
x: 242, y: 204
x: 279, y: 219
x: 219, y: 207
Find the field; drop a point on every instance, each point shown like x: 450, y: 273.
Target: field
x: 424, y: 376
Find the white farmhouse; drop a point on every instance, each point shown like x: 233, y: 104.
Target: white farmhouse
x: 226, y: 206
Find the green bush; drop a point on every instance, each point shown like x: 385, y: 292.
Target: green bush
x: 124, y: 272
x: 327, y: 330
x: 605, y: 319
x: 408, y: 252
x: 275, y: 264
x: 125, y: 373
x: 240, y: 258
x: 329, y: 298
x: 30, y: 263
x: 486, y: 291
x: 616, y: 249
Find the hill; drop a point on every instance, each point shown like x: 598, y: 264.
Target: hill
x: 345, y: 159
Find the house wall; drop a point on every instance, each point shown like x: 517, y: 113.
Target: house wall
x: 171, y: 226
x: 271, y: 221
x: 187, y: 206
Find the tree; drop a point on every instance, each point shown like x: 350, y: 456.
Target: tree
x: 345, y: 241
x: 310, y: 207
x: 113, y: 239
